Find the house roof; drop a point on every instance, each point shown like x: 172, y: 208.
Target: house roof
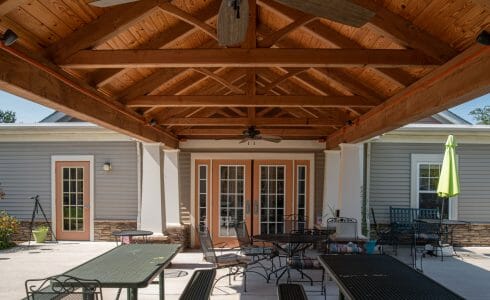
x: 153, y: 68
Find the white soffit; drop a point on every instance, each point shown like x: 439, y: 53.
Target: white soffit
x: 437, y: 133
x: 252, y: 145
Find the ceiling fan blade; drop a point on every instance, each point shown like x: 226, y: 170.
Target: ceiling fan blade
x: 107, y: 3
x: 342, y: 11
x: 270, y: 138
x: 232, y: 24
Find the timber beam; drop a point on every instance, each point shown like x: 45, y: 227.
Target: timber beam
x: 50, y: 86
x: 296, y: 132
x: 246, y: 122
x: 246, y: 58
x: 247, y: 101
x: 463, y: 78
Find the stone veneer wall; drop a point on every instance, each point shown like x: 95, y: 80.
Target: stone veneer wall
x: 104, y: 228
x: 477, y: 234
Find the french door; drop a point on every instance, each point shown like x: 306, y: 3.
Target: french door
x: 258, y: 192
x: 72, y: 200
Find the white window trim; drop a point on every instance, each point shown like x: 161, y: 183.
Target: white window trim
x: 88, y: 158
x: 417, y: 159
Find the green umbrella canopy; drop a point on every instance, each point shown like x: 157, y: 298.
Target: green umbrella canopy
x: 448, y: 180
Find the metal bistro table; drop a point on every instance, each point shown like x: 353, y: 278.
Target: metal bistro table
x: 129, y: 266
x: 381, y: 277
x: 291, y: 244
x: 130, y: 234
x: 446, y: 223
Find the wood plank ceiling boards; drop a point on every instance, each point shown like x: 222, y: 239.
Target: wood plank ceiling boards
x: 295, y: 75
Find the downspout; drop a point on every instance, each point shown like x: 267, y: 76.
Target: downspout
x: 367, y: 187
x: 139, y: 167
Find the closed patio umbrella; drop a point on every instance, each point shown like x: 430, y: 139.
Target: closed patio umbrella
x: 448, y: 185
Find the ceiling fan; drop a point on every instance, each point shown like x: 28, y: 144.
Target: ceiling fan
x: 253, y: 134
x: 233, y: 15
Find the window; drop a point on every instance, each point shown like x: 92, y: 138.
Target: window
x: 425, y: 173
x: 301, y: 196
x: 272, y: 195
x: 232, y: 194
x: 203, y: 196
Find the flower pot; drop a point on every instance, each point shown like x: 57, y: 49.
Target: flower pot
x: 40, y: 235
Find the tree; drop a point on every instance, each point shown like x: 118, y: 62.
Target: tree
x: 482, y: 115
x: 7, y: 116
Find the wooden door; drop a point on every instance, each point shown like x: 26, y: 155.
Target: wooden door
x: 72, y: 200
x: 231, y: 199
x: 272, y: 195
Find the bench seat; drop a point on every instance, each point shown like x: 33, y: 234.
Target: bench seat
x: 288, y: 291
x: 200, y: 285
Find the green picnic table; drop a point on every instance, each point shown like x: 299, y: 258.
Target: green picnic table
x: 129, y: 266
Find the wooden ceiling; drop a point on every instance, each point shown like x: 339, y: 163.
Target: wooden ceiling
x: 154, y: 69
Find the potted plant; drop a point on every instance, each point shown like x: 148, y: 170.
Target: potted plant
x: 40, y: 233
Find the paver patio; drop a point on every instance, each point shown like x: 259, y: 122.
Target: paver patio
x: 467, y: 275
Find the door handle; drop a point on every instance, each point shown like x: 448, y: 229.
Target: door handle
x: 256, y: 208
x: 247, y: 207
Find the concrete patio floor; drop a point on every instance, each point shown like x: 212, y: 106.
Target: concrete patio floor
x: 468, y: 274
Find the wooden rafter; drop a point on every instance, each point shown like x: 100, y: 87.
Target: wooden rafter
x: 220, y: 80
x: 333, y: 38
x: 246, y: 121
x: 164, y: 39
x: 110, y: 24
x: 51, y: 87
x: 273, y: 84
x: 190, y: 19
x: 463, y: 78
x: 406, y: 33
x: 295, y: 132
x: 301, y: 58
x: 276, y: 36
x: 247, y: 101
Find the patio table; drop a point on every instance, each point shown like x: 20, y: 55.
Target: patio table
x: 129, y: 266
x: 130, y: 234
x: 446, y: 223
x: 381, y: 277
x: 292, y: 244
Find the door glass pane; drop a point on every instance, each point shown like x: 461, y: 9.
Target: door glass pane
x: 272, y: 199
x: 72, y: 191
x: 231, y: 194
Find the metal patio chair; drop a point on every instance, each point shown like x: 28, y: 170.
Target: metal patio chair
x: 236, y: 264
x: 63, y: 287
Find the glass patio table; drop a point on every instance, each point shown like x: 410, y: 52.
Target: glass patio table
x: 446, y: 224
x: 131, y: 266
x: 292, y: 244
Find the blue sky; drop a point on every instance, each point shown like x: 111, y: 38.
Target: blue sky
x: 30, y: 112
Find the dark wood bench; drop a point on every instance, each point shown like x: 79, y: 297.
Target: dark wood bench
x: 200, y: 285
x: 288, y: 291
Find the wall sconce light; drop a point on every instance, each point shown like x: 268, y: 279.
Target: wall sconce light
x: 107, y: 166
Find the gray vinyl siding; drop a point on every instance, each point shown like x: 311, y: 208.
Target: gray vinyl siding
x: 390, y: 178
x: 25, y: 170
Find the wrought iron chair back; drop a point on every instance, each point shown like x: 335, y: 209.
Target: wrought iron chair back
x: 63, y: 287
x: 295, y: 223
x: 207, y: 246
x: 242, y: 235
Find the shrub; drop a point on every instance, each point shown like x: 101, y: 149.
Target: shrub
x: 8, y: 226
